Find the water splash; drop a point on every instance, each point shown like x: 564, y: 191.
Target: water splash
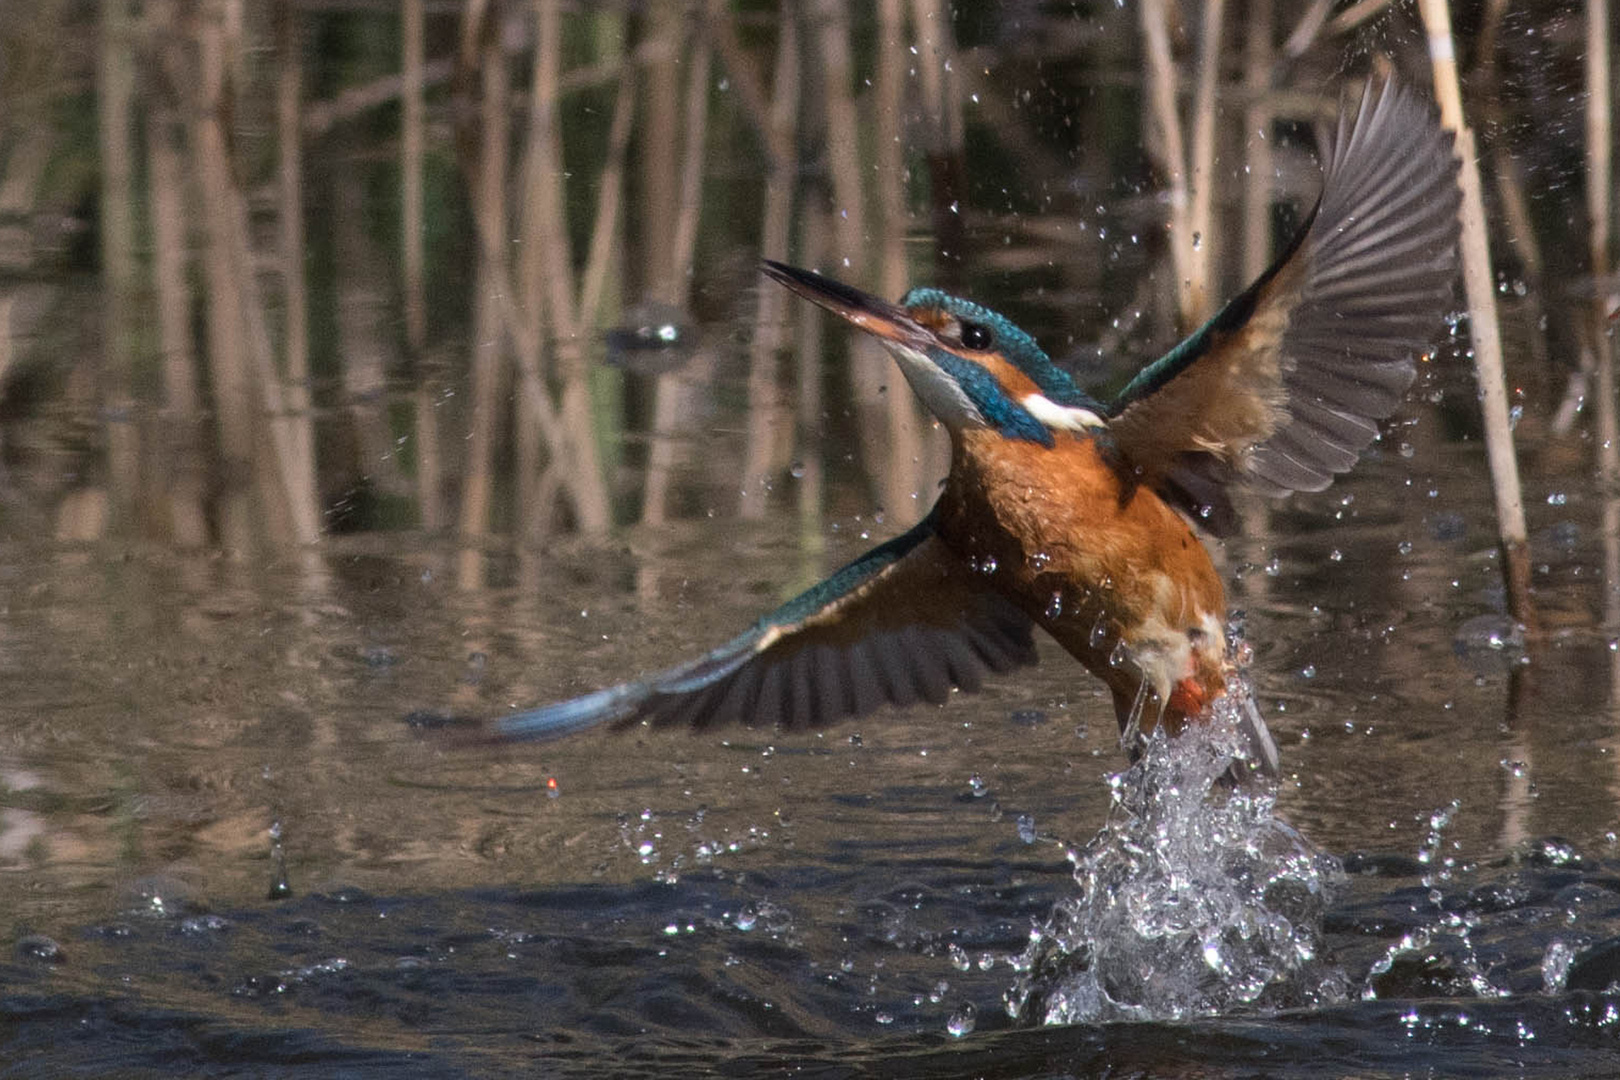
x: 1195, y: 898
x: 1445, y: 947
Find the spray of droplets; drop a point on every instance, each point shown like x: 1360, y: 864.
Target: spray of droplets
x: 1195, y: 899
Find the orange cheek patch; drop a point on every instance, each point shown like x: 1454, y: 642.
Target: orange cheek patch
x: 1017, y: 385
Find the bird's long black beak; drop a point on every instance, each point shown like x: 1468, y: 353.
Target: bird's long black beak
x: 874, y: 315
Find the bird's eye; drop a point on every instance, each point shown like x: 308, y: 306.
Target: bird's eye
x: 976, y: 336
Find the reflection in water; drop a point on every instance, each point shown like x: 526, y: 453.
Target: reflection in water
x: 336, y: 268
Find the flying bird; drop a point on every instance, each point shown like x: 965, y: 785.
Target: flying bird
x: 1081, y: 517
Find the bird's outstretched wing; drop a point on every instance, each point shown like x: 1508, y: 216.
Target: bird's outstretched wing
x: 905, y: 622
x: 1284, y: 385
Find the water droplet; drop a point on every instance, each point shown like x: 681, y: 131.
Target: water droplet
x: 796, y: 470
x: 962, y: 1020
x: 1555, y: 964
x: 1308, y: 671
x: 1557, y: 498
x: 1054, y: 606
x: 1099, y: 633
x: 1336, y: 555
x: 747, y: 918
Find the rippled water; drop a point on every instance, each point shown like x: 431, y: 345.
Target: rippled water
x: 224, y: 848
x: 1445, y: 887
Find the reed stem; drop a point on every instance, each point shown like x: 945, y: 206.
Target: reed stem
x: 1482, y: 322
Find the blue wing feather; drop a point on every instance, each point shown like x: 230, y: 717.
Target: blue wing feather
x: 905, y: 621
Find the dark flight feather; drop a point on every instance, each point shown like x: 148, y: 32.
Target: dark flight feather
x: 903, y: 623
x: 1283, y: 387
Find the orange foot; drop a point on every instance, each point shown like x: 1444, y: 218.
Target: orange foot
x: 1188, y: 698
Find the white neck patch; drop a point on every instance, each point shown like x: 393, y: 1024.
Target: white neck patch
x: 1067, y: 417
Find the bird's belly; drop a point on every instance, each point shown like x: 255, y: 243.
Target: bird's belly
x: 1115, y: 575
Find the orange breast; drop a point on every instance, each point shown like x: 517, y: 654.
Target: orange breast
x: 1115, y: 575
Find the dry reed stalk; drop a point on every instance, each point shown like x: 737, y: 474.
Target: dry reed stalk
x: 1356, y: 14
x: 1200, y: 239
x: 674, y: 391
x: 169, y: 247
x: 227, y: 340
x: 919, y: 451
x: 489, y: 208
x: 248, y: 394
x: 943, y: 134
x: 1258, y: 56
x: 810, y: 487
x: 413, y: 149
x: 8, y: 305
x: 115, y: 93
x: 188, y: 525
x: 764, y: 453
x: 720, y: 28
x: 842, y: 143
x: 604, y: 248
x: 290, y: 219
x: 1482, y: 322
x: 413, y: 121
x: 321, y: 117
x: 1165, y: 121
x: 534, y: 235
x: 587, y: 488
x: 889, y: 90
x: 1515, y: 208
x: 532, y: 518
x: 182, y: 434
x: 30, y: 151
x: 548, y: 262
x: 869, y: 366
x: 365, y: 344
x: 1599, y: 218
x: 1611, y: 602
x: 1257, y: 119
x: 1306, y: 30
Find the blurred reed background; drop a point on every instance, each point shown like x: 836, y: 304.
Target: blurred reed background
x: 275, y: 271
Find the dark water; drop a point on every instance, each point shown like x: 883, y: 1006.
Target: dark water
x: 746, y: 902
x: 225, y: 850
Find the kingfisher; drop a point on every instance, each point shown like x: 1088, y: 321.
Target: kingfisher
x: 1082, y: 517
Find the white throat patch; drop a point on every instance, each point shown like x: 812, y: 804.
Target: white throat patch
x: 941, y: 395
x: 1066, y: 417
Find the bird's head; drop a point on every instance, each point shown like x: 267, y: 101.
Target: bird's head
x: 972, y: 367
